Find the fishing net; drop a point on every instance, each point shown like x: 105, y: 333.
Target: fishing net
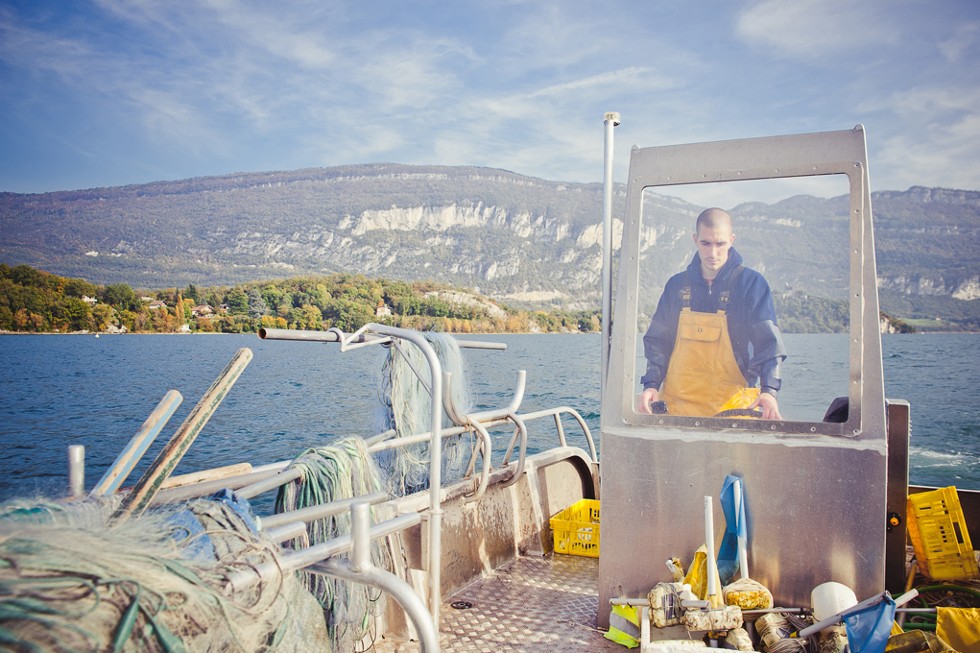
x: 72, y: 581
x: 407, y: 409
x: 340, y: 471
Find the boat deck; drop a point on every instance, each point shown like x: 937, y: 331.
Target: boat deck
x: 531, y: 604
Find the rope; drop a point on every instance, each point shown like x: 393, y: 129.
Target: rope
x: 343, y: 470
x: 70, y: 581
x: 407, y: 408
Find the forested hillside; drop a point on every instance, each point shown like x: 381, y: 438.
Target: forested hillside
x: 34, y: 301
x: 522, y: 241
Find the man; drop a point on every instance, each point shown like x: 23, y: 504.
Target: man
x: 714, y: 334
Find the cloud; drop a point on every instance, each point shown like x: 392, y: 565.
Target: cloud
x: 936, y: 143
x: 964, y: 38
x: 812, y: 29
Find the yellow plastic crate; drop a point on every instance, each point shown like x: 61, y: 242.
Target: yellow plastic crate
x: 939, y: 535
x: 576, y: 529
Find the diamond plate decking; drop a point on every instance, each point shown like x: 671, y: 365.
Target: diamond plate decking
x: 532, y: 604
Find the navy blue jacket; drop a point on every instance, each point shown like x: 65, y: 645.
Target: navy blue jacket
x: 752, y: 326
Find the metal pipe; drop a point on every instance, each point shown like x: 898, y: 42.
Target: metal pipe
x: 460, y: 418
x: 610, y: 120
x: 116, y: 475
x: 174, y: 495
x: 857, y: 607
x: 76, y: 470
x: 139, y: 499
x: 291, y: 531
x: 410, y: 602
x: 527, y: 417
x: 319, y: 512
x: 360, y: 530
x: 709, y: 543
x: 362, y: 338
x: 270, y: 483
x: 191, y: 479
x: 244, y: 578
x: 268, y: 477
x: 435, y: 463
x: 521, y: 428
x: 406, y: 440
x: 487, y: 446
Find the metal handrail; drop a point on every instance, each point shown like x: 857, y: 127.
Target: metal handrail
x: 360, y: 569
x: 521, y: 429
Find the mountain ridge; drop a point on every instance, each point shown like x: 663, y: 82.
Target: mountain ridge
x: 512, y: 237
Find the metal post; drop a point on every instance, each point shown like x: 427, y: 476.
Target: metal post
x: 435, y: 450
x: 141, y: 496
x: 121, y: 468
x: 611, y: 121
x: 76, y: 470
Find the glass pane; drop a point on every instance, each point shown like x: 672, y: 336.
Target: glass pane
x: 795, y: 233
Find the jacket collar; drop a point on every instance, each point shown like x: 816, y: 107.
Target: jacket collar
x: 694, y: 269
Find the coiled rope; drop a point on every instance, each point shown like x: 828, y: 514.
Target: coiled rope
x: 343, y: 470
x: 71, y: 581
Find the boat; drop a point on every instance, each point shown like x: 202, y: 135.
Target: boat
x: 535, y: 552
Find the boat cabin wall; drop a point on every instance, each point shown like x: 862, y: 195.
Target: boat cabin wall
x: 815, y: 490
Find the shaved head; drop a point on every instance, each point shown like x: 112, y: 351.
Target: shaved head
x: 713, y: 218
x: 714, y: 239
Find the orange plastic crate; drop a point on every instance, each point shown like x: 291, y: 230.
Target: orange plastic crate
x: 576, y: 529
x: 939, y: 536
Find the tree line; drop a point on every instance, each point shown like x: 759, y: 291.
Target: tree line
x: 35, y: 301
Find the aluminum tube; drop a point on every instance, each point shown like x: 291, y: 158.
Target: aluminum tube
x: 743, y: 553
x: 685, y: 604
x: 460, y: 418
x: 262, y: 486
x: 610, y: 120
x: 709, y: 544
x: 139, y: 499
x: 360, y: 529
x: 76, y: 470
x: 411, y: 603
x: 487, y: 456
x: 435, y: 462
x: 297, y: 334
x: 337, y: 336
x: 404, y: 441
x: 245, y: 578
x: 319, y: 512
x: 117, y: 474
x: 173, y: 495
x: 527, y: 417
x: 857, y: 607
x: 291, y: 531
x: 522, y: 456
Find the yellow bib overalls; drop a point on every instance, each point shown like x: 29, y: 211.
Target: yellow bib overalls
x: 703, y: 377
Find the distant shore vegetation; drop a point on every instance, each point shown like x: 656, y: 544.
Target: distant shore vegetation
x: 34, y: 301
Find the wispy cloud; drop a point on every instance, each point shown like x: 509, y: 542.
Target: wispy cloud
x: 965, y: 38
x: 814, y: 29
x: 183, y: 89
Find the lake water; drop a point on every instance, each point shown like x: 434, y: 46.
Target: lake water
x: 61, y: 390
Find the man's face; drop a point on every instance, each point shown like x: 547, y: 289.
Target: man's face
x: 713, y: 244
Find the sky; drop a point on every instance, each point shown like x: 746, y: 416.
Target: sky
x: 115, y: 92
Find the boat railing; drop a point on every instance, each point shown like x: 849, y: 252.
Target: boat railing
x: 249, y: 482
x: 322, y: 558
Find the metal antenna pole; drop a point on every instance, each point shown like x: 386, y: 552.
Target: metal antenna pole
x: 611, y: 121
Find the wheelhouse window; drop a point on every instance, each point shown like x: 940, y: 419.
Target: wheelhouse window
x: 794, y: 232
